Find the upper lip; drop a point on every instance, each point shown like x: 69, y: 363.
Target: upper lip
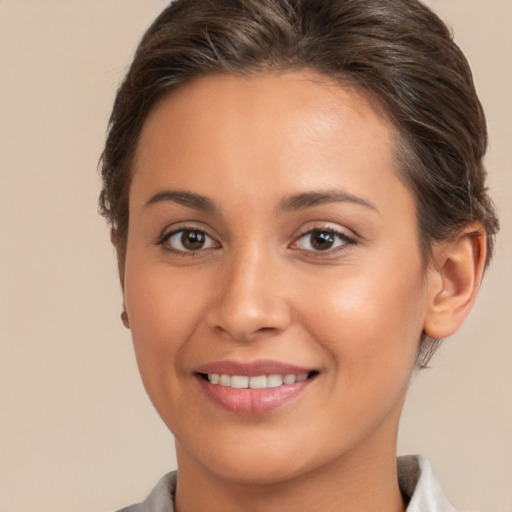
x: 253, y: 368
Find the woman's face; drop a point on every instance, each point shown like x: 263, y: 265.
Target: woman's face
x: 271, y: 240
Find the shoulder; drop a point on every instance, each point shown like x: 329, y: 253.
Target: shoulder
x: 160, y: 499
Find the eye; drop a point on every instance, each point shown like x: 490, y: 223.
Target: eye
x: 322, y: 240
x: 188, y: 240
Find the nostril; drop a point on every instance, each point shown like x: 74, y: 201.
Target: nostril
x: 266, y: 329
x: 245, y: 312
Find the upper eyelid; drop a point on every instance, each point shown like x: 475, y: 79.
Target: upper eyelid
x: 330, y: 229
x: 176, y: 227
x: 326, y: 226
x: 341, y: 234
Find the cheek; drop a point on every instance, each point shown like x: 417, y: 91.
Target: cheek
x: 163, y: 311
x: 367, y: 319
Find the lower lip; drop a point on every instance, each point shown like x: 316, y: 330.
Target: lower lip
x: 252, y: 401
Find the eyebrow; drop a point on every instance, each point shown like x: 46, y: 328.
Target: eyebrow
x: 311, y: 199
x: 294, y: 202
x: 188, y: 199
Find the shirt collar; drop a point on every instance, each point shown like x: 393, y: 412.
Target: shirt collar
x: 420, y: 486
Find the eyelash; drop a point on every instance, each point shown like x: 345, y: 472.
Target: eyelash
x: 343, y: 240
x: 164, y: 240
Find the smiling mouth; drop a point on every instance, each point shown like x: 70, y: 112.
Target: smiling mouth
x: 274, y: 380
x: 254, y: 387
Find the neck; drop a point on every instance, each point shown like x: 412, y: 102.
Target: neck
x: 361, y: 482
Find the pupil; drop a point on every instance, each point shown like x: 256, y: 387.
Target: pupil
x: 192, y: 240
x: 322, y: 240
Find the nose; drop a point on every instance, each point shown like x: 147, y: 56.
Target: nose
x: 250, y: 298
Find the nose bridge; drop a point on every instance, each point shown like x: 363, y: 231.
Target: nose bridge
x: 250, y: 298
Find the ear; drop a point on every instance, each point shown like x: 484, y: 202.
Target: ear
x: 121, y: 255
x: 454, y: 280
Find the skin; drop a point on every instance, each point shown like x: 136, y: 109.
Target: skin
x: 258, y: 289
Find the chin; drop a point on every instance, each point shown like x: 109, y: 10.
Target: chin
x: 242, y: 462
x: 266, y: 471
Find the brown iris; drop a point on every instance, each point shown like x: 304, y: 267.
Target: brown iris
x: 193, y: 240
x: 322, y: 240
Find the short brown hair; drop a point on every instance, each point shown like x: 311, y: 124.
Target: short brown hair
x: 397, y: 50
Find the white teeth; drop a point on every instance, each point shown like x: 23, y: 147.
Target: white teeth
x: 289, y: 379
x: 256, y: 382
x: 225, y: 380
x: 238, y: 381
x: 273, y: 381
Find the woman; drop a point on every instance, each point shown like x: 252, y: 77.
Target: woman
x: 298, y: 205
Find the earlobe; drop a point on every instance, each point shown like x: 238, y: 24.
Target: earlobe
x: 454, y: 280
x: 125, y: 319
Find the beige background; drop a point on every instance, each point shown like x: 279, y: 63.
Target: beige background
x: 77, y: 432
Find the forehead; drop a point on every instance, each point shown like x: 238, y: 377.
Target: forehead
x: 306, y: 99
x: 288, y: 132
